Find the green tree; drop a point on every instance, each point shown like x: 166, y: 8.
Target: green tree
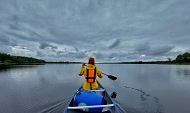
x: 179, y: 58
x: 186, y: 57
x: 169, y: 59
x: 8, y: 61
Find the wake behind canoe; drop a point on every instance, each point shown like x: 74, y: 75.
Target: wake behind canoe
x: 91, y: 101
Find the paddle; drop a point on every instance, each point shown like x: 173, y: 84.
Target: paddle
x: 109, y: 76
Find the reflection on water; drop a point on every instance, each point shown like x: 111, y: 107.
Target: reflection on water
x: 4, y: 67
x: 149, y: 88
x: 138, y: 88
x: 37, y: 88
x: 184, y: 72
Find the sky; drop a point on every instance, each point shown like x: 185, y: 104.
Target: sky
x: 107, y: 30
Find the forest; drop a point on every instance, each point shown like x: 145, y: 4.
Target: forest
x: 9, y: 59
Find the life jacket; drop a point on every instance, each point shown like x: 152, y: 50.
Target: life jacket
x: 91, y: 75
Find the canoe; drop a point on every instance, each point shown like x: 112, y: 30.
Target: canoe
x: 107, y: 107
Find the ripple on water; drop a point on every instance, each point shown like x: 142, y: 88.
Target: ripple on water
x: 149, y: 104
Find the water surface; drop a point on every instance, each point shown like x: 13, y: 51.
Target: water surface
x: 141, y: 88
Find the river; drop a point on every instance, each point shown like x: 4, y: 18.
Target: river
x: 141, y: 88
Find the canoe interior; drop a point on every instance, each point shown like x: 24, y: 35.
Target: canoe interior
x: 103, y: 92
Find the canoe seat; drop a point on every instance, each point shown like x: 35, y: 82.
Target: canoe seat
x: 93, y: 106
x: 101, y: 90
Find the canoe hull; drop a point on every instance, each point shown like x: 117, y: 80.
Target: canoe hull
x: 108, y: 106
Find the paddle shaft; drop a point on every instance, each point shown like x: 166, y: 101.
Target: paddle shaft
x: 105, y: 74
x: 110, y: 76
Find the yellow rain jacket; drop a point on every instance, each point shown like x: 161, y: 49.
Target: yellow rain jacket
x: 87, y: 85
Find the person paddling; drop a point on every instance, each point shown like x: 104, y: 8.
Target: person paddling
x: 90, y: 72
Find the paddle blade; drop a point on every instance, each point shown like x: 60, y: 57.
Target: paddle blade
x: 112, y: 77
x: 113, y: 95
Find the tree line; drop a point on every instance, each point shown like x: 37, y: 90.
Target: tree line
x: 183, y: 58
x: 6, y: 58
x: 180, y: 59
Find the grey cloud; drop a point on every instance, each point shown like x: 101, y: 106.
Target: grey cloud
x: 154, y: 28
x: 70, y: 54
x: 80, y: 55
x: 109, y: 56
x: 14, y: 42
x: 158, y: 51
x: 114, y: 44
x: 14, y: 23
x: 76, y: 49
x: 5, y: 49
x: 4, y: 41
x: 44, y: 45
x: 99, y: 55
x: 143, y: 46
x: 40, y: 54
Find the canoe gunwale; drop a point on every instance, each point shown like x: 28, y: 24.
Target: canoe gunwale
x: 109, y: 97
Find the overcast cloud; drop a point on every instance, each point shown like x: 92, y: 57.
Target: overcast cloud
x: 109, y: 30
